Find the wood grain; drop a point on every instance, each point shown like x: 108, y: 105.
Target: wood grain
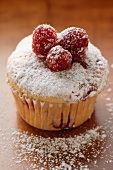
x: 17, y: 20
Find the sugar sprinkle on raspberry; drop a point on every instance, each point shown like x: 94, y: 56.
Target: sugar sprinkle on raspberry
x: 50, y: 46
x: 44, y: 38
x: 58, y: 59
x: 75, y: 40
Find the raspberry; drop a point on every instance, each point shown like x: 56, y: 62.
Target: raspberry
x: 75, y: 40
x: 44, y: 38
x: 58, y: 59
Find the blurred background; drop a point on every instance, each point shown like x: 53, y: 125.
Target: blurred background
x: 19, y: 18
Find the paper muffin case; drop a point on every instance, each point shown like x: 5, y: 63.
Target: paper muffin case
x: 53, y: 116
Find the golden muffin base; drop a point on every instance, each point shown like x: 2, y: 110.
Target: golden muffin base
x: 53, y: 116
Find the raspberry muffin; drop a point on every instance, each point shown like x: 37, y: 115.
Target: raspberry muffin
x: 55, y: 77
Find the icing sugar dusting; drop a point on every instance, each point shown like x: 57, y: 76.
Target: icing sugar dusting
x: 44, y: 38
x: 25, y: 69
x: 58, y: 152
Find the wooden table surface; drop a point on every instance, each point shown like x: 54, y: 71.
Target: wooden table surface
x: 17, y: 20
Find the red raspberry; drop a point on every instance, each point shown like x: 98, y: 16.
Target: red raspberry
x: 44, y: 38
x: 58, y: 59
x: 75, y: 40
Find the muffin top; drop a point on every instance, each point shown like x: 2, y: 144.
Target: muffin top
x: 32, y: 76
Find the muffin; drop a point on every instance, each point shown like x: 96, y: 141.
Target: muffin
x: 55, y: 78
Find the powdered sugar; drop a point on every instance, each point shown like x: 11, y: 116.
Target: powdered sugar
x: 58, y: 59
x: 44, y: 38
x: 82, y: 151
x: 77, y: 32
x: 25, y: 69
x: 57, y: 152
x: 86, y: 148
x: 75, y: 40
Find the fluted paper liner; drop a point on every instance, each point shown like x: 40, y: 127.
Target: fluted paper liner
x: 53, y: 116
